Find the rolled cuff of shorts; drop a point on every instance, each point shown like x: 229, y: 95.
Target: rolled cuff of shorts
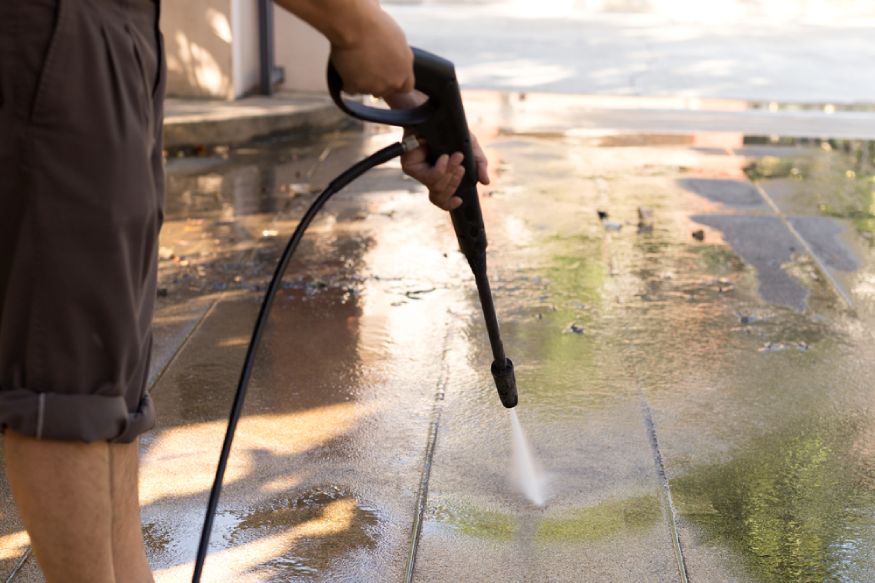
x: 74, y: 417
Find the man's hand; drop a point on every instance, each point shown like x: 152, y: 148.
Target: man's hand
x: 377, y: 62
x: 443, y: 179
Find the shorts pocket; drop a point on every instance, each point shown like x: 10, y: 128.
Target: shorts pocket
x: 146, y: 93
x: 49, y: 74
x: 161, y: 81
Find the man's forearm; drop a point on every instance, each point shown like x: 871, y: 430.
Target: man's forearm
x: 343, y: 22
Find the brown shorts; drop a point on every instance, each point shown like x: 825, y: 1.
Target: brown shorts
x: 81, y: 204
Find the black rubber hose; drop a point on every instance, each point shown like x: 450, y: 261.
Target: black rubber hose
x: 338, y: 183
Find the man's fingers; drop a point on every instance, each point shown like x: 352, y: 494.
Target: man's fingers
x: 443, y: 190
x: 483, y: 171
x: 443, y: 177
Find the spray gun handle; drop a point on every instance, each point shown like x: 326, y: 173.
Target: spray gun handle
x: 441, y: 123
x: 431, y: 73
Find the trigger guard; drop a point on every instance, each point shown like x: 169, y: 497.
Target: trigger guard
x: 405, y: 118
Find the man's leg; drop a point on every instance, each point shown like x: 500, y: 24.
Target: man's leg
x: 128, y: 550
x: 79, y: 503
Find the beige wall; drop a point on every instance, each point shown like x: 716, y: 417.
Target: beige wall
x: 197, y: 35
x: 301, y: 51
x: 212, y: 49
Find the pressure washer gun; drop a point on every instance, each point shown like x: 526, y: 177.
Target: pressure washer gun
x: 440, y: 122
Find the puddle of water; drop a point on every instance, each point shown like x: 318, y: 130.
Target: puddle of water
x: 319, y: 526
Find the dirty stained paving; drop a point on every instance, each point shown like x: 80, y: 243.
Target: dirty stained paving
x: 700, y: 404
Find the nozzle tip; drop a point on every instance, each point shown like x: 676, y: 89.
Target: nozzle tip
x: 505, y: 382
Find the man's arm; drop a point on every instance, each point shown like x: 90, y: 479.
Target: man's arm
x: 368, y: 48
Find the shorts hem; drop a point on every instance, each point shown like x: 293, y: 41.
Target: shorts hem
x: 65, y: 417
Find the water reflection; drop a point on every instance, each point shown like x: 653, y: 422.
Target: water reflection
x: 797, y: 502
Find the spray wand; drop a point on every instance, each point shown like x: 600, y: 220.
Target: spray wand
x: 440, y: 122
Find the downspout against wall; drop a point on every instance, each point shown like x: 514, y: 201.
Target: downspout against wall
x: 270, y: 75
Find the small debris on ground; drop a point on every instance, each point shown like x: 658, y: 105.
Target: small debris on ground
x: 780, y: 346
x: 747, y: 319
x: 608, y: 225
x: 416, y: 293
x: 574, y: 328
x: 269, y: 233
x: 645, y: 219
x: 699, y: 235
x: 165, y: 253
x: 162, y: 292
x: 724, y: 285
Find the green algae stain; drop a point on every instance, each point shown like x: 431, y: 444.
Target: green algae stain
x: 474, y: 522
x: 601, y: 521
x: 773, y: 167
x: 835, y: 181
x: 795, y: 503
x: 577, y: 276
x: 593, y: 523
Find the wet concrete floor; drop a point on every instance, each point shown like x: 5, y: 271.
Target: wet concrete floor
x: 693, y: 367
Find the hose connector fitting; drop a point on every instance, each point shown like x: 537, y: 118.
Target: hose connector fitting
x: 505, y: 382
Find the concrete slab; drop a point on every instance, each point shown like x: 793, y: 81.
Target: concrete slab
x: 766, y: 51
x: 666, y: 395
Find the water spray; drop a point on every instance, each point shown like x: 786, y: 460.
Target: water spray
x: 440, y: 122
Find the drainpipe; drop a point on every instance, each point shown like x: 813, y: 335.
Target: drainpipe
x: 270, y: 74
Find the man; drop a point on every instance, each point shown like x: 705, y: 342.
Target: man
x: 81, y: 199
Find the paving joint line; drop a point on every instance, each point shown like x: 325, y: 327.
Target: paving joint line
x: 650, y: 426
x: 20, y: 564
x: 185, y: 341
x: 422, y: 492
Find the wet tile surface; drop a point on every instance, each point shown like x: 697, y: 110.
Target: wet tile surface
x: 709, y: 391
